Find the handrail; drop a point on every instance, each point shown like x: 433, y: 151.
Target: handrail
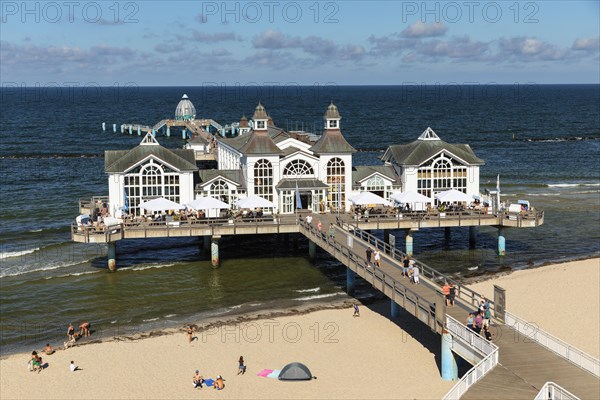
x: 381, y: 276
x: 553, y: 391
x: 479, y: 370
x: 463, y: 292
x: 475, y: 340
x: 560, y: 347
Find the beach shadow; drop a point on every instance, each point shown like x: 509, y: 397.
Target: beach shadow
x: 413, y: 328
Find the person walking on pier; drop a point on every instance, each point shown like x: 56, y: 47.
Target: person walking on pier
x: 320, y: 227
x: 405, y: 265
x: 369, y: 253
x: 331, y: 231
x: 446, y: 290
x: 377, y: 258
x: 452, y: 294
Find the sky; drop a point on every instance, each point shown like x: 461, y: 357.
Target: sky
x: 196, y: 43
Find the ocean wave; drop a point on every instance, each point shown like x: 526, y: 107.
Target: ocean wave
x: 170, y: 315
x: 318, y: 296
x: 74, y: 274
x: 255, y: 304
x: 562, y: 139
x: 235, y: 307
x: 11, y: 271
x: 308, y: 290
x: 151, y: 319
x: 9, y: 254
x: 560, y: 185
x: 34, y: 230
x: 152, y: 266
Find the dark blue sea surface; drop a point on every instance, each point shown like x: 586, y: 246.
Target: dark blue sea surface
x: 544, y: 141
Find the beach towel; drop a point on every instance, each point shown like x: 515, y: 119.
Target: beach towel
x: 209, y: 382
x: 274, y: 374
x: 264, y: 372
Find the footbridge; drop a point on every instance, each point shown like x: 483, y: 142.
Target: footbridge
x: 522, y: 361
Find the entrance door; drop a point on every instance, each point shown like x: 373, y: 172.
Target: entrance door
x: 305, y: 199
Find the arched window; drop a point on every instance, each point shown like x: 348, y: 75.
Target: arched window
x: 440, y: 174
x: 298, y: 168
x: 150, y: 181
x: 336, y: 175
x: 263, y: 179
x: 220, y: 190
x: 376, y: 185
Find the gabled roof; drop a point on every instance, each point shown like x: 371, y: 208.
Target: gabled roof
x: 232, y: 175
x: 332, y: 142
x: 118, y: 161
x: 427, y: 146
x: 360, y: 173
x: 288, y: 151
x: 261, y: 142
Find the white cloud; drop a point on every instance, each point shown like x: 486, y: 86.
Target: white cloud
x: 421, y: 30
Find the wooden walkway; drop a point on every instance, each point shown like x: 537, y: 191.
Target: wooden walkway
x: 524, y: 366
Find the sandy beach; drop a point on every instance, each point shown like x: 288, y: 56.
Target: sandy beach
x: 562, y: 299
x: 369, y: 357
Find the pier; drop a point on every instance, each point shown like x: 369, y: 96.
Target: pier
x: 521, y: 362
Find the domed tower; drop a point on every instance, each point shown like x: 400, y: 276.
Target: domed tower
x: 260, y: 118
x: 332, y: 117
x: 244, y: 127
x: 185, y: 110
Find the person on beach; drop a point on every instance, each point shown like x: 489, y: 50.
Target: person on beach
x: 356, y: 310
x: 219, y: 385
x: 369, y: 253
x: 71, y: 332
x: 73, y: 367
x: 452, y: 294
x: 198, y: 380
x: 48, y: 349
x: 36, y: 362
x: 85, y: 329
x: 190, y: 334
x: 470, y: 320
x: 446, y: 290
x: 241, y: 366
x: 377, y: 258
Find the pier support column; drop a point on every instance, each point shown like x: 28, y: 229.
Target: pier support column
x: 350, y: 281
x: 386, y: 235
x: 409, y: 242
x: 205, y: 245
x: 139, y: 131
x: 214, y: 251
x: 501, y: 241
x: 115, y: 128
x: 447, y: 235
x: 449, y: 367
x: 472, y: 236
x: 183, y: 134
x: 104, y: 126
x: 312, y: 249
x: 112, y: 256
x: 130, y: 129
x: 168, y: 131
x: 395, y: 309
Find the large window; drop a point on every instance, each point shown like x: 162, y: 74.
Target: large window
x: 263, y: 179
x: 336, y: 175
x: 150, y: 181
x: 441, y: 174
x: 376, y: 185
x: 297, y: 168
x: 220, y: 190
